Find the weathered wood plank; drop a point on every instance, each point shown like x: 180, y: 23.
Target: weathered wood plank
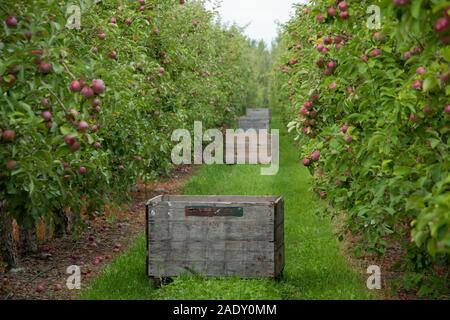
x: 164, y: 230
x: 245, y: 269
x: 215, y: 199
x: 259, y: 112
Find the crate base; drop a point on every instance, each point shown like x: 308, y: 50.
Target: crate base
x: 156, y: 282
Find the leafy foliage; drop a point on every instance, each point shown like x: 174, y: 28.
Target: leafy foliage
x: 70, y: 144
x: 370, y: 108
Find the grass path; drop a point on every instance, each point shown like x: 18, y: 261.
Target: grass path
x: 315, y: 267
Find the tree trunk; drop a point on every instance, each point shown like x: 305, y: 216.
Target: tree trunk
x: 61, y: 224
x: 8, y: 249
x: 28, y: 240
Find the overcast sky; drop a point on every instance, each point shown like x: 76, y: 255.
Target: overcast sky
x: 261, y: 15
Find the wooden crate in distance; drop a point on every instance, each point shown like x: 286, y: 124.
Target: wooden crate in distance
x: 215, y: 236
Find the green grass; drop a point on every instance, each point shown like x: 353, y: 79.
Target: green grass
x: 315, y: 267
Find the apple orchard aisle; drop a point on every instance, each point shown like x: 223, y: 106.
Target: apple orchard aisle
x: 315, y: 267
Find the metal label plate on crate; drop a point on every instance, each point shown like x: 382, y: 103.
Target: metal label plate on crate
x: 208, y: 211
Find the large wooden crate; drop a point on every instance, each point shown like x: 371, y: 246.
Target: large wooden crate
x: 256, y: 118
x: 253, y: 123
x: 264, y: 113
x: 215, y: 236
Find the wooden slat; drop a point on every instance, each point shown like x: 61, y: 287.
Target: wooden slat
x: 164, y: 230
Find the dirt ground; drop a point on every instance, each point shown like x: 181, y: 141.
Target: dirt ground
x: 43, y: 276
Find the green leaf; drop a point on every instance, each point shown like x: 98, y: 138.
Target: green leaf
x: 65, y: 130
x: 434, y: 143
x: 440, y: 6
x: 446, y: 53
x: 415, y: 8
x: 430, y: 84
x: 402, y: 171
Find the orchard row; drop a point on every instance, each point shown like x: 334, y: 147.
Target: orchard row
x: 371, y: 111
x: 85, y: 112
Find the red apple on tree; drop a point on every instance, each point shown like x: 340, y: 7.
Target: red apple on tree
x: 332, y: 85
x: 400, y: 3
x: 320, y: 63
x: 337, y: 39
x: 75, y: 146
x: 417, y: 85
x: 308, y: 105
x: 95, y: 128
x: 331, y: 12
x: 412, y: 117
x: 416, y: 50
x: 75, y: 86
x: 46, y: 115
x: 315, y: 156
x: 96, y: 102
x: 304, y: 111
x: 348, y: 139
x: 445, y: 77
x: 343, y: 6
x: 113, y: 55
x: 447, y: 109
x: 375, y: 53
x: 378, y: 36
x: 45, y: 67
x: 11, y: 164
x: 98, y: 86
x: 306, y: 162
x: 441, y: 24
x: 344, y: 128
x: 87, y: 92
x: 69, y: 140
x: 344, y: 15
x: 11, y: 21
x: 83, y: 126
x: 421, y: 70
x: 9, y: 135
x: 320, y: 18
